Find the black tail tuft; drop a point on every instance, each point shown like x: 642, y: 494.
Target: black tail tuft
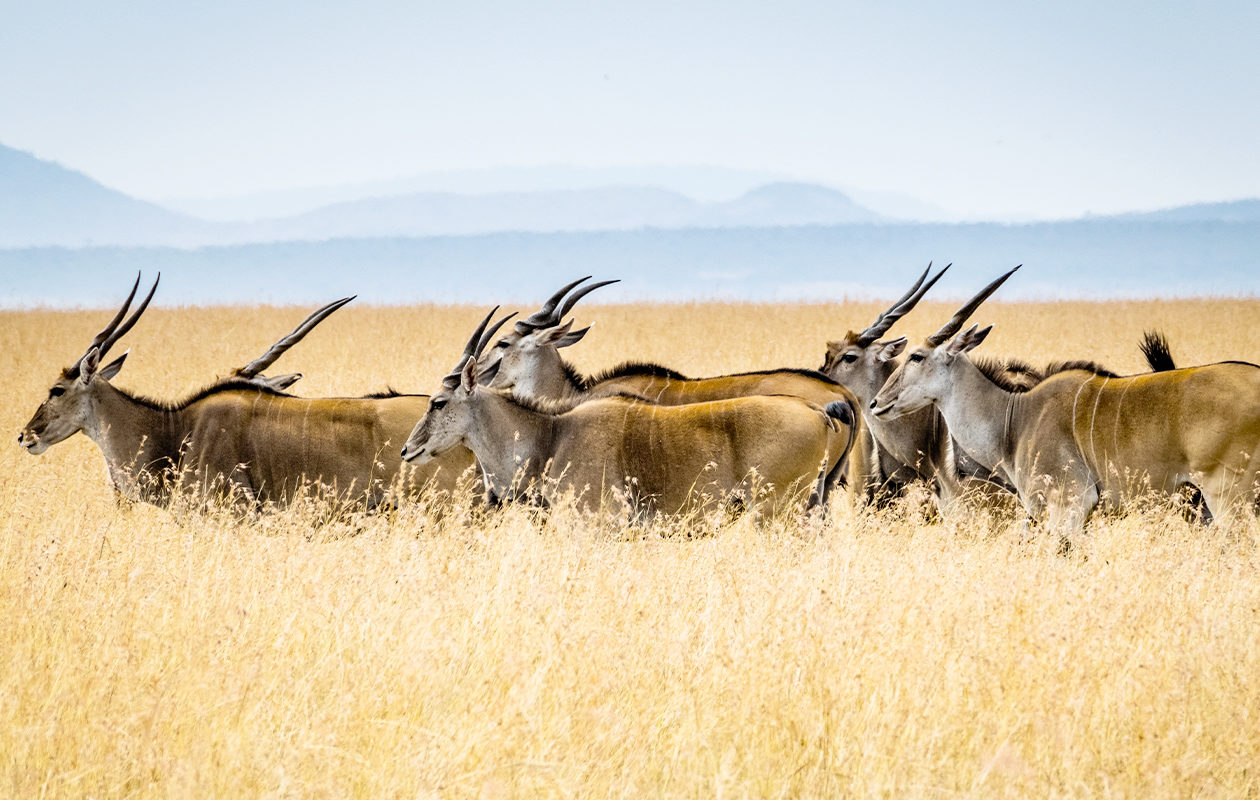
x: 1155, y: 348
x: 841, y: 411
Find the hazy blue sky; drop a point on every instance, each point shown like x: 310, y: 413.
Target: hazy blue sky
x: 985, y: 108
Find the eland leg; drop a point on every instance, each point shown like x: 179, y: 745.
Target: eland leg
x: 1231, y: 495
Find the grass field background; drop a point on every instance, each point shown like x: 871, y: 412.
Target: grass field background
x: 151, y: 654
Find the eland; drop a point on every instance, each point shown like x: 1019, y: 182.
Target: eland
x: 527, y: 362
x: 239, y: 438
x: 651, y: 458
x: 1079, y: 438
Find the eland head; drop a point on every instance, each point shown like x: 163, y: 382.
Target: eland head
x: 67, y: 409
x: 528, y: 357
x: 924, y: 377
x: 443, y: 426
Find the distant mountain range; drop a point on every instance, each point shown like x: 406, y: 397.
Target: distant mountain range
x: 707, y: 184
x: 67, y: 240
x: 606, y: 208
x: 44, y: 204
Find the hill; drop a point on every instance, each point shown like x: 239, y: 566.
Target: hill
x: 46, y: 204
x: 42, y: 202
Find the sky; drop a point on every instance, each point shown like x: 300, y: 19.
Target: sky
x: 997, y: 110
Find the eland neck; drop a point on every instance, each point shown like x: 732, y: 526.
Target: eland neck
x: 910, y: 440
x: 550, y: 379
x: 140, y: 441
x: 977, y: 413
x: 511, y: 442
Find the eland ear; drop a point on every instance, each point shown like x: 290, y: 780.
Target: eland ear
x: 980, y: 336
x: 553, y: 335
x: 468, y: 375
x: 967, y: 340
x: 279, y: 382
x: 572, y: 338
x: 487, y: 374
x: 892, y: 348
x: 112, y: 368
x: 88, y: 364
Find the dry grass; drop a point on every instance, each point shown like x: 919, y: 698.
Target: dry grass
x: 149, y: 654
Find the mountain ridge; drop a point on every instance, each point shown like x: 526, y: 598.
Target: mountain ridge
x: 44, y: 204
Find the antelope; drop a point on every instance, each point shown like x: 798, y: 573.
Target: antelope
x: 653, y: 458
x: 527, y: 361
x: 1078, y: 438
x: 917, y: 446
x: 238, y: 436
x: 914, y: 447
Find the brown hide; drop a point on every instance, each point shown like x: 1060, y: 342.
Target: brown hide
x: 657, y: 458
x: 812, y: 388
x: 1199, y: 425
x: 271, y: 445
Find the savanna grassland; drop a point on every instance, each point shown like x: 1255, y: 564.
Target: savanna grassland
x: 145, y: 653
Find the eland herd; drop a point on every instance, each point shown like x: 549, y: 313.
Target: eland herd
x: 642, y: 439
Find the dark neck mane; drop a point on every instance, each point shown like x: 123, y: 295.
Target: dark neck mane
x: 1013, y: 375
x: 628, y: 369
x: 808, y: 373
x: 635, y: 369
x: 1010, y: 375
x: 385, y: 394
x: 219, y: 387
x: 1055, y: 367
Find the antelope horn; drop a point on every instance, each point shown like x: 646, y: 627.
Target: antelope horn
x: 489, y: 334
x: 956, y: 322
x: 268, y: 358
x: 572, y: 299
x: 545, y: 316
x: 100, y: 338
x: 117, y: 333
x: 900, y: 308
x: 476, y: 343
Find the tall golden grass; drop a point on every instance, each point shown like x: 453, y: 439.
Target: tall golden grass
x: 152, y: 654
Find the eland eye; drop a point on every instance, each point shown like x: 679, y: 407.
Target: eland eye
x: 437, y: 404
x: 916, y: 357
x: 848, y: 358
x: 56, y: 391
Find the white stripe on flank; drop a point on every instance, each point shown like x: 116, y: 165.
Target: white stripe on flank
x: 1093, y: 450
x: 1075, y: 400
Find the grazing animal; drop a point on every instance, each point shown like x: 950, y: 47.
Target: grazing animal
x: 527, y: 361
x: 237, y: 438
x: 755, y: 450
x: 1078, y: 438
x: 916, y: 446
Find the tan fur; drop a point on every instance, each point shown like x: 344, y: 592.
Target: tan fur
x: 914, y: 447
x: 1079, y: 438
x: 252, y: 445
x: 1198, y: 426
x: 653, y: 457
x: 669, y: 392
